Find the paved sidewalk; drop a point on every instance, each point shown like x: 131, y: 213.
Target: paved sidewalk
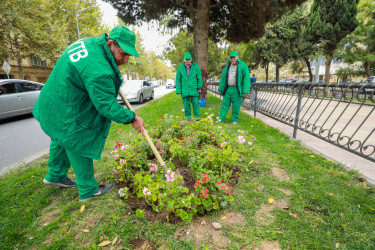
x: 349, y: 160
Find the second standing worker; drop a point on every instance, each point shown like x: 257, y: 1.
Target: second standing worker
x: 189, y: 84
x: 234, y: 83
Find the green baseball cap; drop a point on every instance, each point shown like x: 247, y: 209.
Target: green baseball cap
x: 125, y: 38
x: 233, y: 53
x: 187, y: 56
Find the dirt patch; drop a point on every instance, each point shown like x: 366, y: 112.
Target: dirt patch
x: 264, y: 214
x: 232, y: 219
x: 48, y: 217
x: 286, y: 191
x: 279, y: 174
x: 269, y: 245
x: 203, y: 233
x: 141, y: 244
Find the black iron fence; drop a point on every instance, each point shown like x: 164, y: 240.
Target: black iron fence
x: 341, y: 114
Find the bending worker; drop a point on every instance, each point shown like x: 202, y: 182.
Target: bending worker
x: 78, y: 103
x: 189, y: 84
x: 234, y: 83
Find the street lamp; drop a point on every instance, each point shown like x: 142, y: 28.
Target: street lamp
x: 77, y: 14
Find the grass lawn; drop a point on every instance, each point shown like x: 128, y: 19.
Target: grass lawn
x: 287, y: 197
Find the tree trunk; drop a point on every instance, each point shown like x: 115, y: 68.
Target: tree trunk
x: 19, y: 64
x: 368, y: 68
x: 277, y: 73
x: 329, y: 57
x: 309, y: 69
x: 267, y: 71
x: 201, y: 25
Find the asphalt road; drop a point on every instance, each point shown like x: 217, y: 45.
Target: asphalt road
x: 22, y: 140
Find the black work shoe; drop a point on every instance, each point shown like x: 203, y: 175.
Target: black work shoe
x: 67, y: 183
x: 103, y: 189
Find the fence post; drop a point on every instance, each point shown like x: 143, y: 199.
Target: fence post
x: 255, y: 101
x: 296, y: 120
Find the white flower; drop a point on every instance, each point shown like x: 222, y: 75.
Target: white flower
x: 146, y: 191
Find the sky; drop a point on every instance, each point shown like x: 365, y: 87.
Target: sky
x: 152, y: 39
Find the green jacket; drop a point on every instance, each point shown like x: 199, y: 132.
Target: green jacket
x: 188, y: 85
x: 78, y: 102
x: 243, y: 78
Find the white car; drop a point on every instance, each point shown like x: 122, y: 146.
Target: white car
x: 170, y: 84
x: 155, y: 84
x: 18, y: 97
x: 137, y: 90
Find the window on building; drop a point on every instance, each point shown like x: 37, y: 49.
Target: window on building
x: 37, y: 61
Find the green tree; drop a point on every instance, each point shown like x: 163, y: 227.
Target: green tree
x: 26, y: 27
x: 237, y: 21
x: 359, y: 46
x: 330, y: 21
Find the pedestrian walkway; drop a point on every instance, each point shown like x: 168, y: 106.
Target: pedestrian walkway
x: 330, y: 151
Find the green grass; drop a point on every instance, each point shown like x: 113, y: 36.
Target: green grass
x: 334, y: 207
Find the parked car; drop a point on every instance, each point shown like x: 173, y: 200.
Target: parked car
x: 137, y: 90
x: 170, y: 84
x: 18, y: 97
x: 155, y: 84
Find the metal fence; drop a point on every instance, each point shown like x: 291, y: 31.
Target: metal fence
x: 341, y: 114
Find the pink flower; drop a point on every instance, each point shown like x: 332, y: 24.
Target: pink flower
x: 166, y: 115
x: 127, y: 146
x: 223, y: 144
x: 250, y: 143
x: 122, y: 161
x: 114, y: 151
x: 117, y: 156
x: 161, y: 151
x: 169, y: 130
x: 241, y: 139
x: 158, y: 143
x: 182, y: 110
x: 183, y: 137
x: 218, y: 182
x: 146, y: 191
x: 170, y: 176
x: 153, y: 167
x: 197, y: 183
x: 123, y: 148
x: 119, y: 130
x: 190, y: 138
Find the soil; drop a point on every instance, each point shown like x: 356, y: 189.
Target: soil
x: 140, y: 244
x: 279, y: 174
x: 269, y: 245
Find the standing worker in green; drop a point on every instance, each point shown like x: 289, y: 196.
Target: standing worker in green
x: 78, y: 103
x: 234, y: 83
x: 189, y: 84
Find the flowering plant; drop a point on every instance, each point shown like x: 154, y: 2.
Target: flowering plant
x: 212, y: 157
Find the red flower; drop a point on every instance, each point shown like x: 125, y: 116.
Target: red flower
x: 212, y: 135
x: 118, y: 144
x: 183, y: 137
x: 200, y: 196
x: 218, y: 182
x: 205, y: 192
x: 197, y: 183
x: 205, y: 177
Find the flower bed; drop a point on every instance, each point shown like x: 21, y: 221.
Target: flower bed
x: 208, y: 160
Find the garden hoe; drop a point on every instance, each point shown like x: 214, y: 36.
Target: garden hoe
x: 148, y: 139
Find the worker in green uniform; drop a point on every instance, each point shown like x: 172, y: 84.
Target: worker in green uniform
x: 234, y: 83
x: 77, y: 104
x: 189, y: 84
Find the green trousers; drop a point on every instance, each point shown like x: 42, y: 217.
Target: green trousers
x: 231, y: 96
x: 59, y: 163
x: 191, y: 100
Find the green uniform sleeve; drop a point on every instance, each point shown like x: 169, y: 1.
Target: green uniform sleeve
x: 102, y: 92
x: 223, y: 79
x: 246, y: 80
x: 178, y: 80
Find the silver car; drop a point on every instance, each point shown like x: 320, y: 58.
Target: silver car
x: 137, y: 90
x: 18, y: 97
